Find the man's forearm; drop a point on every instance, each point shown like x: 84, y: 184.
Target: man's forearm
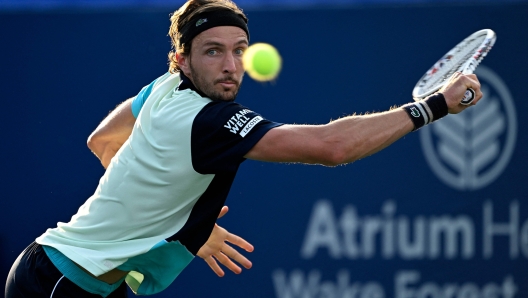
x: 361, y: 136
x: 106, y: 152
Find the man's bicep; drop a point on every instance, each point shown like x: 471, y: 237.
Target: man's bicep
x: 112, y: 132
x: 118, y: 124
x: 293, y: 143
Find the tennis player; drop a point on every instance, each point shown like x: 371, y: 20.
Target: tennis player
x: 171, y: 155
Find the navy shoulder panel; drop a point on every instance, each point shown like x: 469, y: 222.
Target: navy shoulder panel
x: 222, y: 133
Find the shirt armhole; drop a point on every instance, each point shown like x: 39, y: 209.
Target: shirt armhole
x: 139, y: 100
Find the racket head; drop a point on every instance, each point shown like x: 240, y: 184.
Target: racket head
x: 464, y: 57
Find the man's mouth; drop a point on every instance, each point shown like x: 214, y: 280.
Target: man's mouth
x: 227, y: 83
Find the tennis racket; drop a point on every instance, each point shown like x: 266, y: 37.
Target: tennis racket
x: 464, y: 57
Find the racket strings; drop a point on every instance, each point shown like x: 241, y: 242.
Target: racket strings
x: 452, y: 62
x: 465, y: 57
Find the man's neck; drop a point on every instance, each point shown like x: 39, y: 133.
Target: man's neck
x: 186, y: 83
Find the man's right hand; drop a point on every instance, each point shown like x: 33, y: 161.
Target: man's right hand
x: 455, y: 88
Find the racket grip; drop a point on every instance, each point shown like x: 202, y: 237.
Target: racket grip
x: 469, y: 96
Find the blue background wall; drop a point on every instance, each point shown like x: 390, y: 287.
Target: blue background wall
x: 62, y: 72
x: 38, y: 5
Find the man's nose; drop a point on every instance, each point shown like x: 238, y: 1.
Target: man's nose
x: 229, y: 64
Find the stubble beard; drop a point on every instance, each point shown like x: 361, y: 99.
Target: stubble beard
x: 208, y: 89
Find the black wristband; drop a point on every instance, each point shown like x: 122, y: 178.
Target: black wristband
x: 438, y: 105
x: 426, y: 111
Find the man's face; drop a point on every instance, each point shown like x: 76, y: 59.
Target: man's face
x: 215, y: 62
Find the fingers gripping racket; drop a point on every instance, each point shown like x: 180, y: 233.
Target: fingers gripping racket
x: 464, y: 58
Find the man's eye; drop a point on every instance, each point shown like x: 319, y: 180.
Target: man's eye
x: 211, y: 52
x: 239, y: 51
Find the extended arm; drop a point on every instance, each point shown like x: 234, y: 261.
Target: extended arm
x: 341, y: 141
x: 112, y: 132
x: 350, y: 138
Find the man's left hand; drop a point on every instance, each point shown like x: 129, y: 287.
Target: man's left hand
x: 217, y: 249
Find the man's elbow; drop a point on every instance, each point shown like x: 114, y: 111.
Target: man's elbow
x: 95, y: 144
x: 339, y: 157
x: 338, y: 153
x: 333, y: 156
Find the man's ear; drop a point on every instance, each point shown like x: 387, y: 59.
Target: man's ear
x: 183, y: 63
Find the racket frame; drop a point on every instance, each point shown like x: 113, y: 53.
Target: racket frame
x: 465, y: 67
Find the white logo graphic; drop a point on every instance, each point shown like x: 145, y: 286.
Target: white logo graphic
x: 470, y: 150
x: 235, y: 123
x: 250, y: 125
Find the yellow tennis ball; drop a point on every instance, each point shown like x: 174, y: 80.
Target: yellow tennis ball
x: 262, y: 62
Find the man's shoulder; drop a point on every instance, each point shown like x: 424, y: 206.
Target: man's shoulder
x: 221, y: 110
x: 173, y: 77
x: 227, y: 117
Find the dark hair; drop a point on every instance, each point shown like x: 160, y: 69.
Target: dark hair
x: 183, y: 15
